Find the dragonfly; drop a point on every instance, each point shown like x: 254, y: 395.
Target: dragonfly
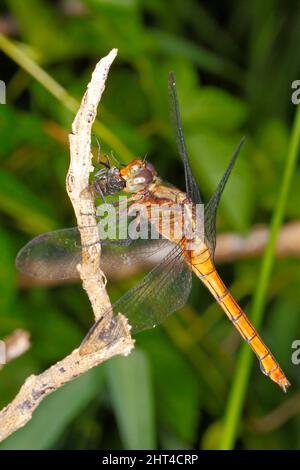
x: 166, y: 287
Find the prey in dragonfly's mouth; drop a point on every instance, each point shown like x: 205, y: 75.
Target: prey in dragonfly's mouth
x: 108, y: 181
x: 137, y: 176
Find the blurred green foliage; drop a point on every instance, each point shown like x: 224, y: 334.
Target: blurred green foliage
x: 235, y: 63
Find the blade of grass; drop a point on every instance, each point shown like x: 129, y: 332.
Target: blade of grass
x: 239, y: 387
x: 40, y: 75
x: 130, y: 386
x: 209, y: 61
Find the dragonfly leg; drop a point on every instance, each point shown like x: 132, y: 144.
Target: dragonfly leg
x: 98, y: 189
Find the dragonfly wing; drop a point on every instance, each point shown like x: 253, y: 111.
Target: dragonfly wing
x: 192, y: 189
x: 55, y: 255
x: 210, y: 211
x: 119, y: 257
x: 161, y: 292
x: 51, y: 256
x: 119, y: 260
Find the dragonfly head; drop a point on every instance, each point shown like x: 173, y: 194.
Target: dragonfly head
x: 139, y: 174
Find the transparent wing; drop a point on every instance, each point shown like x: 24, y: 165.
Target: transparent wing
x: 130, y: 241
x: 165, y: 289
x: 51, y: 256
x: 162, y: 291
x: 192, y: 189
x: 210, y: 211
x: 55, y: 255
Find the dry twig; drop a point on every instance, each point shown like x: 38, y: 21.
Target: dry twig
x: 231, y: 246
x: 115, y: 340
x: 16, y: 344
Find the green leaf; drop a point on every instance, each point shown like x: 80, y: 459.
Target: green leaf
x: 171, y: 45
x: 214, y: 107
x: 130, y: 386
x: 112, y: 5
x: 7, y: 272
x: 27, y: 210
x: 210, y: 154
x: 55, y: 332
x: 283, y: 322
x: 292, y: 209
x: 178, y: 393
x: 27, y: 128
x: 47, y: 34
x: 273, y: 138
x: 211, y: 437
x: 55, y: 413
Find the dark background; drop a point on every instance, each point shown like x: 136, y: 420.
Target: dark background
x: 235, y: 62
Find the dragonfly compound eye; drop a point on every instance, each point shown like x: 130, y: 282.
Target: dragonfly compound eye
x: 145, y: 176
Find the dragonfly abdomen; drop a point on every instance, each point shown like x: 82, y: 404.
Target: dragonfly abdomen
x: 205, y: 270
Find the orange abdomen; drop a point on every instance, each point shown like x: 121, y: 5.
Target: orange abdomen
x: 205, y: 270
